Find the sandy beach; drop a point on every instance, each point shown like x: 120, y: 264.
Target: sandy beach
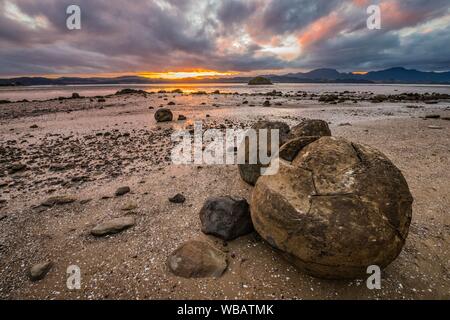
x: 88, y: 147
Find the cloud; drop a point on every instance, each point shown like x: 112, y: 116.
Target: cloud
x: 224, y: 35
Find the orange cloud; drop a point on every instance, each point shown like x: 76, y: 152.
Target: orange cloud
x: 320, y: 29
x: 394, y: 16
x: 361, y: 3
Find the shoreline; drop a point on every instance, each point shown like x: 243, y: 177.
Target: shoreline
x: 88, y: 149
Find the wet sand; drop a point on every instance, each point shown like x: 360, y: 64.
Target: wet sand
x: 87, y: 149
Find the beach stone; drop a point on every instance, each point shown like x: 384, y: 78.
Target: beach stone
x: 178, y: 198
x: 197, y: 259
x: 336, y: 209
x: 251, y: 172
x: 58, y: 200
x: 113, y: 226
x: 39, y: 271
x: 226, y: 217
x: 122, y: 191
x: 163, y: 115
x: 309, y: 128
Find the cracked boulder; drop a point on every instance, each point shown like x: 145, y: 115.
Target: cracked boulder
x: 335, y: 209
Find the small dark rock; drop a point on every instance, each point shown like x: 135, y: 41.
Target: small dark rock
x: 178, y: 198
x: 226, y: 217
x: 122, y: 191
x: 163, y: 115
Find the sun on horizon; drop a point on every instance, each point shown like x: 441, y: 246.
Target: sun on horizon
x: 176, y: 75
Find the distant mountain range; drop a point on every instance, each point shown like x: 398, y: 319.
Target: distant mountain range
x: 392, y: 75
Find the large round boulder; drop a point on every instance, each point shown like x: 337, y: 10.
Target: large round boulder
x: 336, y: 209
x: 250, y: 172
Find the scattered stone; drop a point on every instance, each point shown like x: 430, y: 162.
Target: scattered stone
x: 310, y: 128
x: 163, y: 115
x: 226, y: 217
x: 129, y: 207
x: 345, y: 124
x: 171, y: 103
x: 267, y: 103
x: 75, y: 95
x: 39, y: 271
x: 3, y: 216
x: 435, y: 127
x: 181, y: 117
x: 122, y: 191
x: 58, y: 201
x: 251, y: 172
x: 197, y: 259
x: 85, y: 201
x: 337, y: 208
x: 113, y: 226
x: 432, y: 116
x: 178, y: 198
x: 34, y: 126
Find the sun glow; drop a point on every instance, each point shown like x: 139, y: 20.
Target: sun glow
x: 360, y: 72
x: 174, y: 75
x: 197, y: 74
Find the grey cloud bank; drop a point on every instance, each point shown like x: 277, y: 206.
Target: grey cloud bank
x: 233, y: 35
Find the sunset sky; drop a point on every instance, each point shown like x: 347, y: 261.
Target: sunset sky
x: 220, y: 37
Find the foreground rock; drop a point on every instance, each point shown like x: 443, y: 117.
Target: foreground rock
x: 251, y: 172
x: 226, y: 217
x: 163, y: 115
x: 336, y: 209
x: 197, y: 259
x: 113, y: 226
x: 39, y: 271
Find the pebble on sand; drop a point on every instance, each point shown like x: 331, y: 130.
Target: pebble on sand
x: 197, y: 259
x: 122, y: 191
x: 39, y: 271
x: 58, y: 200
x: 113, y: 226
x: 178, y: 198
